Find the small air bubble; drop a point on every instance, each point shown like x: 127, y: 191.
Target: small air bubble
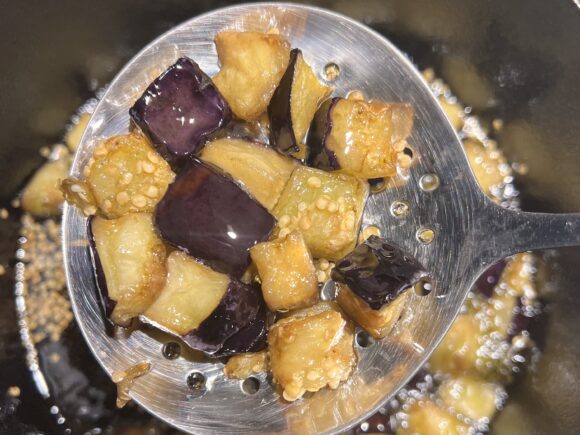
x: 331, y: 71
x: 429, y: 182
x: 399, y: 209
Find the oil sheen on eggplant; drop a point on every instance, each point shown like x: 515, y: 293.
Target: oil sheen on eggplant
x: 180, y: 109
x: 251, y: 338
x: 207, y: 214
x: 294, y: 104
x: 378, y: 272
x: 234, y: 325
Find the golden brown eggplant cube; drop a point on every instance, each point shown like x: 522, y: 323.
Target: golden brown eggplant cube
x: 287, y: 272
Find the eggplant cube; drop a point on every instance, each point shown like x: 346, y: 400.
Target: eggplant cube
x: 252, y: 65
x: 311, y: 349
x: 129, y: 262
x: 379, y: 322
x: 294, y: 104
x: 326, y: 207
x: 263, y: 171
x: 205, y: 213
x: 126, y: 175
x: 204, y: 307
x: 363, y: 138
x: 180, y: 109
x: 378, y: 272
x: 287, y: 272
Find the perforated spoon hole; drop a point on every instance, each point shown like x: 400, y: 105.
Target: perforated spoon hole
x: 171, y: 350
x: 400, y: 209
x: 250, y: 386
x: 423, y: 287
x: 364, y: 340
x: 331, y: 71
x: 196, y: 382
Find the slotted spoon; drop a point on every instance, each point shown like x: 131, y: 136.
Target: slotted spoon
x: 471, y: 232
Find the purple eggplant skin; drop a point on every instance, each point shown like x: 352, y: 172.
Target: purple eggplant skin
x: 252, y: 338
x: 239, y: 307
x: 208, y: 215
x: 489, y: 279
x: 378, y: 272
x: 282, y: 134
x: 180, y: 109
x: 107, y: 304
x: 319, y: 155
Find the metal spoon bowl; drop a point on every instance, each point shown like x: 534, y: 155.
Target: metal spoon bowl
x: 440, y: 192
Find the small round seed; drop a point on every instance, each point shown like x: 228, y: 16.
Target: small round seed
x: 302, y: 206
x: 153, y: 157
x: 100, y: 151
x: 139, y: 201
x: 314, y: 182
x: 148, y: 168
x: 369, y: 231
x: 355, y: 96
x: 312, y: 375
x: 332, y: 207
x: 399, y: 146
x: 404, y: 161
x: 126, y: 178
x: 284, y: 221
x: 283, y: 232
x: 123, y: 198
x: 305, y: 223
x: 321, y: 203
x: 151, y: 191
x: 89, y: 210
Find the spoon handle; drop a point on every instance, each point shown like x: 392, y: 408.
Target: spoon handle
x: 514, y: 231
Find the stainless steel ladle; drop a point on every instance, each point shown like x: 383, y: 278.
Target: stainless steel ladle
x: 471, y: 232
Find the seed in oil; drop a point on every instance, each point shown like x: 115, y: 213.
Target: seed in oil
x: 399, y: 209
x: 429, y: 182
x: 331, y: 71
x: 425, y: 235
